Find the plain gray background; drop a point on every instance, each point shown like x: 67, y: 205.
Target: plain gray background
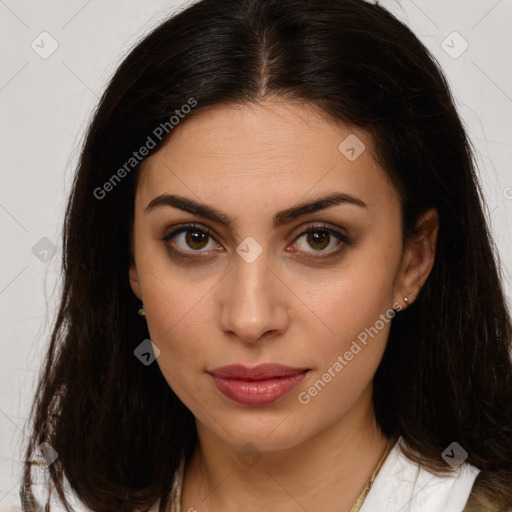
x: 46, y: 101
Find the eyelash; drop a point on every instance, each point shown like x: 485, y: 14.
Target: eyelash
x: 323, y: 228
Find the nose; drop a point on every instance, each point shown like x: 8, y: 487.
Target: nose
x: 253, y: 301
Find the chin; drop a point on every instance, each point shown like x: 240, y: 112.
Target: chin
x: 269, y: 431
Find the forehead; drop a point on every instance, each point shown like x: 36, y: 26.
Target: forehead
x: 254, y: 154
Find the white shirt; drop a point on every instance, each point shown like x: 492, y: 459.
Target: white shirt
x: 402, y: 485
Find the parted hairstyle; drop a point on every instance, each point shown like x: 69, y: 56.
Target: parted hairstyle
x: 446, y: 375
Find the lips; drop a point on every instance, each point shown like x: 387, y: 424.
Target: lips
x: 259, y: 385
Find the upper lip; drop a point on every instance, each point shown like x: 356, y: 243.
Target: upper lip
x: 259, y: 372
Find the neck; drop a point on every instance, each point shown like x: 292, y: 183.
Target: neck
x: 327, y: 472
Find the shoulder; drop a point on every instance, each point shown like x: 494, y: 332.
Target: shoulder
x: 404, y: 485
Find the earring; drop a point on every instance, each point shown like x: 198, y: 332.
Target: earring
x: 406, y: 300
x: 141, y: 311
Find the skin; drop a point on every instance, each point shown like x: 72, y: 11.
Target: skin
x: 251, y: 161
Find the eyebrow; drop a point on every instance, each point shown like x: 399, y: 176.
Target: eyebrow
x: 280, y: 218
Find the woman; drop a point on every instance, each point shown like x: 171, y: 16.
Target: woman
x: 280, y: 290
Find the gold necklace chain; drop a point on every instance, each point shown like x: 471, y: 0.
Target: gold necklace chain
x: 175, y: 498
x: 360, y: 500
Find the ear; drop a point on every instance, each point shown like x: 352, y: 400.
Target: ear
x: 134, y: 279
x: 418, y: 259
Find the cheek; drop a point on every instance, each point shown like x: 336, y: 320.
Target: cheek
x: 351, y: 298
x: 170, y: 292
x: 183, y: 327
x: 353, y: 307
x: 358, y: 315
x: 176, y: 314
x: 358, y: 319
x: 180, y: 314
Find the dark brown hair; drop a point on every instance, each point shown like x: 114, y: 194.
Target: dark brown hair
x: 118, y: 428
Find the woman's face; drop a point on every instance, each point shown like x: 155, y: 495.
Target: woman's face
x: 269, y: 279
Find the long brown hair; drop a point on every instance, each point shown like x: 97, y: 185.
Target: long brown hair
x: 116, y: 425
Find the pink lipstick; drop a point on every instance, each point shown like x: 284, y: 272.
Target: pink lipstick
x: 258, y: 385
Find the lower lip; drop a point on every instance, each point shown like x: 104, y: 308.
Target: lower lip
x: 257, y: 392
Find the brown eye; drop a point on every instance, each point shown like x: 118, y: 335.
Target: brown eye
x: 318, y: 240
x: 322, y: 239
x: 190, y: 239
x: 196, y: 239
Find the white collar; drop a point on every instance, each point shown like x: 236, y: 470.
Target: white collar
x: 405, y: 486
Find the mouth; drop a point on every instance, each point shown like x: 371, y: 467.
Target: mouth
x: 259, y: 385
